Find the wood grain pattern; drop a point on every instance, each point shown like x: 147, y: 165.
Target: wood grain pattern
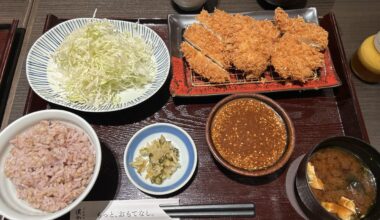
x: 15, y: 10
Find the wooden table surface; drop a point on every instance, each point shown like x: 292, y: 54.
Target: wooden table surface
x: 356, y: 19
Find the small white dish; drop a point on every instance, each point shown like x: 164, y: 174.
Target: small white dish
x: 187, y: 157
x: 11, y: 207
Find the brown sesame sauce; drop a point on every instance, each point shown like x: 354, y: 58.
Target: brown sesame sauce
x: 249, y: 134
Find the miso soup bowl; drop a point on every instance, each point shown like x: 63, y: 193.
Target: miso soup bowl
x: 365, y: 152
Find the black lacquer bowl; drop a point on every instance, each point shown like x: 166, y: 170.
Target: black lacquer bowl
x: 367, y: 154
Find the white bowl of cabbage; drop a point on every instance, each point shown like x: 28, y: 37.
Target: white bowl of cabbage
x: 97, y: 65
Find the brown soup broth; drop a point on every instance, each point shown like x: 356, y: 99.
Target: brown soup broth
x: 344, y: 174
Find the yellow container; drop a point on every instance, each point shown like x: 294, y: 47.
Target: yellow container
x: 366, y: 61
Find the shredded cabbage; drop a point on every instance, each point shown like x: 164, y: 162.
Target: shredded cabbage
x: 98, y: 62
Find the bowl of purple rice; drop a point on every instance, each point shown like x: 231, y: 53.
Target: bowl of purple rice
x: 49, y: 162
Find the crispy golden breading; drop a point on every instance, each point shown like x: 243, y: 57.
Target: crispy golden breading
x: 208, y: 44
x: 309, y: 33
x: 220, y: 23
x: 203, y: 65
x: 263, y: 27
x: 252, y: 45
x: 294, y: 59
x: 251, y: 54
x: 248, y: 41
x: 225, y: 25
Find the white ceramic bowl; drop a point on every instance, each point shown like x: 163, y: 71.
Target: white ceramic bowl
x: 10, y: 206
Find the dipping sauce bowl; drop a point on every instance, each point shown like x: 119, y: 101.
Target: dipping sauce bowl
x: 250, y: 134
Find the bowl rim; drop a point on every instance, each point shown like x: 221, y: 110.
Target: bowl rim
x: 303, y: 191
x: 193, y: 166
x: 275, y: 107
x: 55, y: 114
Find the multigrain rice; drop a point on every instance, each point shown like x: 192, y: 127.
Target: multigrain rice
x: 50, y: 164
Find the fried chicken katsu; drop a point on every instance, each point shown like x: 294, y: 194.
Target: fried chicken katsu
x: 309, y: 33
x: 208, y: 44
x: 295, y: 59
x: 203, y: 65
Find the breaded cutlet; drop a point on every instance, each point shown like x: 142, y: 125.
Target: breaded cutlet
x: 220, y: 23
x: 208, y: 44
x: 247, y: 40
x: 203, y: 65
x: 251, y: 54
x: 294, y: 59
x: 309, y: 33
x: 265, y: 28
x: 252, y: 45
